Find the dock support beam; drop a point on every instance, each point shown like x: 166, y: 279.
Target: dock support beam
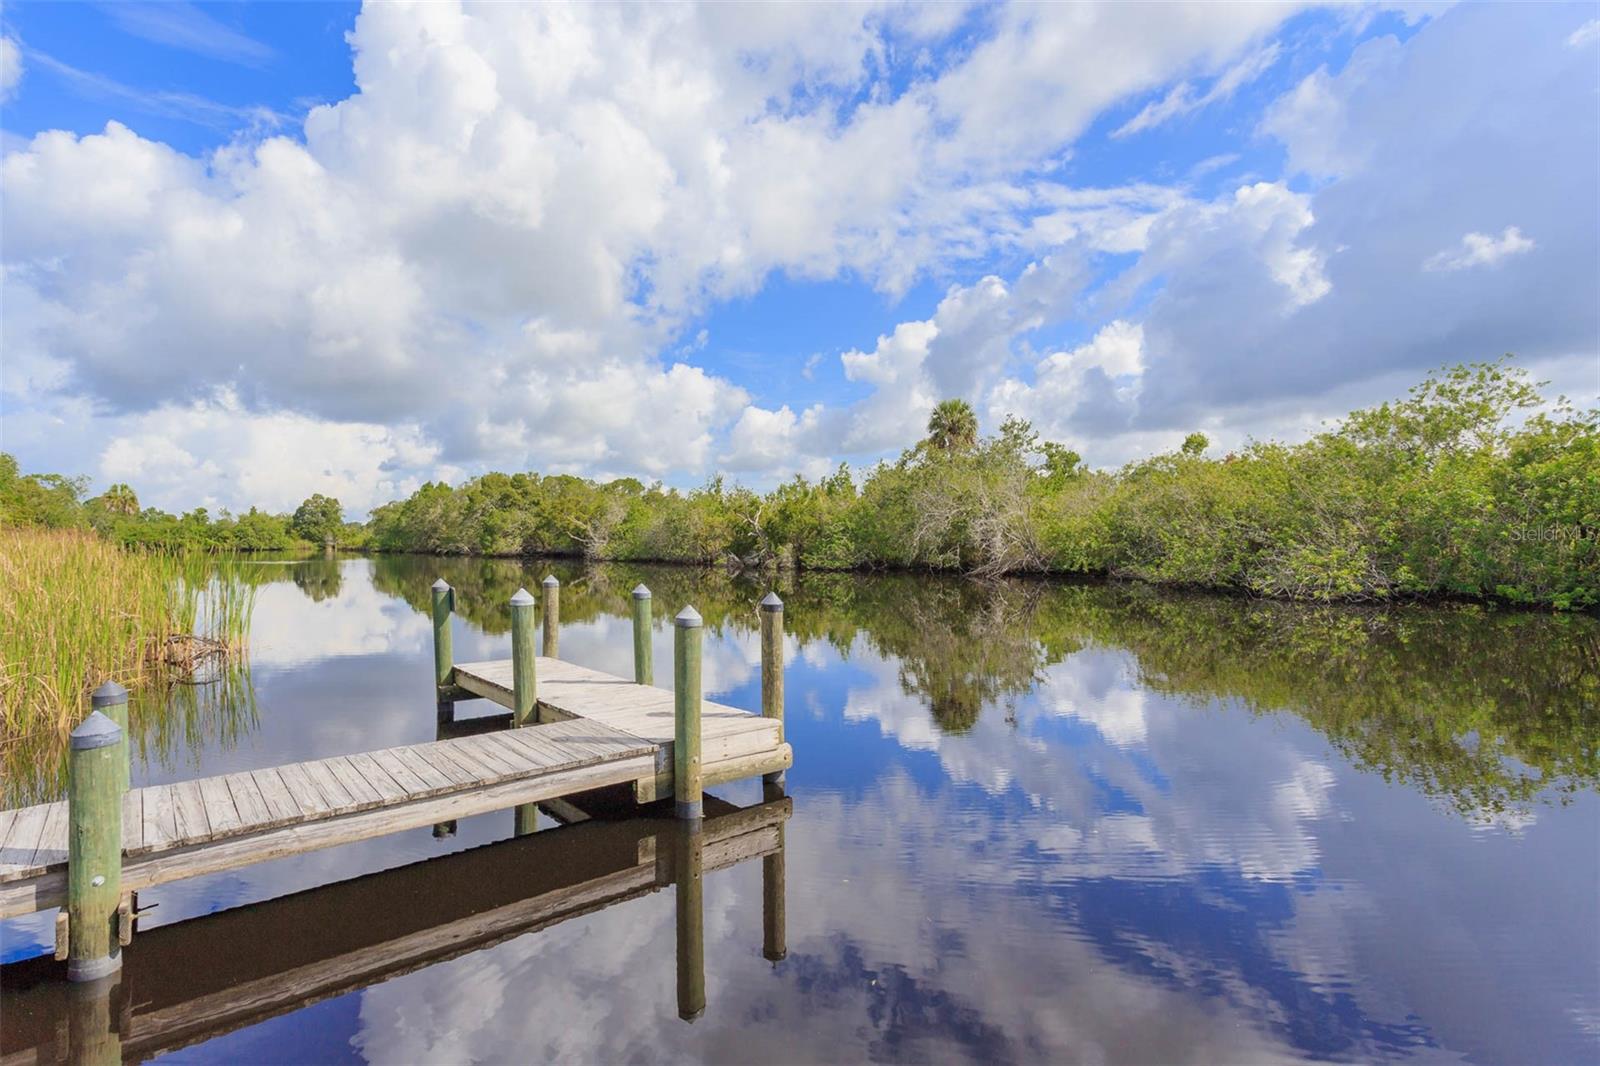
x: 772, y: 672
x: 524, y: 665
x: 689, y: 854
x: 111, y: 700
x: 94, y: 848
x: 644, y: 667
x: 686, y: 773
x: 552, y: 616
x: 444, y: 667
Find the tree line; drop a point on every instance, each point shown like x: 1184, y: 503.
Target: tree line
x: 55, y: 501
x: 1469, y: 486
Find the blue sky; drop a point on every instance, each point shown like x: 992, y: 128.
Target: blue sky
x: 258, y: 250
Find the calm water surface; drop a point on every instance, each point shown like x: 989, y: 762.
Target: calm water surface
x: 1031, y: 822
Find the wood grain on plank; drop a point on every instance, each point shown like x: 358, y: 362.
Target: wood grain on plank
x: 304, y: 790
x: 379, y: 778
x: 333, y: 793
x: 190, y: 807
x: 365, y: 796
x: 52, y: 847
x: 247, y: 798
x: 160, y: 817
x: 221, y: 812
x: 282, y: 805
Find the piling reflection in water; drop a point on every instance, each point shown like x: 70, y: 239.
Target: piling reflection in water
x: 688, y: 845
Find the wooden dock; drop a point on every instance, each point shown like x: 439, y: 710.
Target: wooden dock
x: 180, y: 830
x: 571, y: 730
x: 601, y: 730
x: 260, y: 961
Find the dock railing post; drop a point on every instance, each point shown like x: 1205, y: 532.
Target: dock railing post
x: 686, y: 775
x: 644, y: 669
x: 94, y: 848
x: 444, y: 601
x: 552, y: 616
x: 689, y: 853
x: 524, y: 664
x: 111, y: 700
x: 772, y: 677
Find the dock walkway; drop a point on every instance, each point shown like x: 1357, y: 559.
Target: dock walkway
x: 594, y: 730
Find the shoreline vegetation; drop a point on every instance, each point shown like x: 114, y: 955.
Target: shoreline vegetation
x: 77, y: 610
x: 1455, y: 492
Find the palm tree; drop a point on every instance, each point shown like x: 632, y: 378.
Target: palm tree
x: 120, y: 499
x: 953, y: 427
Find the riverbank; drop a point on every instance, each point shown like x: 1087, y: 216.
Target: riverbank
x: 77, y: 610
x: 1456, y: 491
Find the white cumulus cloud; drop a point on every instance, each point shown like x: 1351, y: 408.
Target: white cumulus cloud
x: 1480, y: 249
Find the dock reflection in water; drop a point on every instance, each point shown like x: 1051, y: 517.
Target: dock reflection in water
x: 198, y: 979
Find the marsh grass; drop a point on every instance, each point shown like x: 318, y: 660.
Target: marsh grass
x: 75, y: 610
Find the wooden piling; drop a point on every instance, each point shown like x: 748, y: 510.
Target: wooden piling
x: 444, y: 601
x: 686, y: 773
x: 772, y: 670
x: 644, y: 670
x: 689, y: 853
x: 94, y: 848
x: 552, y: 616
x: 525, y: 691
x: 111, y: 700
x: 524, y: 664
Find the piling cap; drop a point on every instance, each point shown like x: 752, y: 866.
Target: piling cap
x: 96, y: 731
x: 772, y: 603
x: 523, y: 598
x: 688, y: 618
x: 640, y: 592
x: 441, y: 585
x: 550, y: 581
x: 108, y: 695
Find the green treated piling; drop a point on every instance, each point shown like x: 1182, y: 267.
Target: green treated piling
x: 111, y: 700
x: 524, y: 664
x: 644, y: 667
x: 690, y: 892
x: 686, y: 775
x: 94, y: 848
x: 772, y: 669
x: 444, y: 601
x: 552, y: 616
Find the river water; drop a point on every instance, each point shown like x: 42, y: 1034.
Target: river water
x: 1030, y: 821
